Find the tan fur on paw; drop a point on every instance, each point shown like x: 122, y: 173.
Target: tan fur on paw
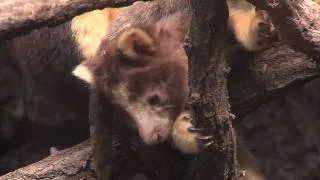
x: 183, y: 139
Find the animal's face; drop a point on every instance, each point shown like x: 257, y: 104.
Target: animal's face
x: 145, y: 73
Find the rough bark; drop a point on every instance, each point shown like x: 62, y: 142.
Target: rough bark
x: 269, y: 74
x: 251, y: 83
x: 72, y: 163
x: 21, y: 16
x: 208, y: 71
x: 298, y: 23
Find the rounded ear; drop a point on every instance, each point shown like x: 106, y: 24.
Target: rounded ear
x: 135, y: 42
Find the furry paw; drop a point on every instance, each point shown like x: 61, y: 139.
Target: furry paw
x: 264, y: 35
x: 187, y: 138
x: 202, y: 141
x: 264, y: 30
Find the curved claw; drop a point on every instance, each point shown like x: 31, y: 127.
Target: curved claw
x: 204, y: 141
x: 203, y: 145
x: 204, y: 137
x: 208, y: 144
x: 263, y: 35
x: 194, y: 129
x: 264, y: 30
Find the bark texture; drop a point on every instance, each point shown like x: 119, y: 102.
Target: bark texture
x: 298, y: 23
x: 21, y: 16
x: 271, y: 73
x: 208, y: 71
x: 283, y: 134
x: 73, y: 163
x: 251, y: 82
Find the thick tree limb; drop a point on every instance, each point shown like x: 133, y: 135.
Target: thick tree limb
x: 298, y: 22
x: 271, y: 73
x: 208, y: 71
x: 251, y: 83
x: 72, y: 163
x: 21, y: 16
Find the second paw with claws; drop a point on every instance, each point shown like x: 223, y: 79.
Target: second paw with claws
x: 187, y: 138
x: 262, y: 29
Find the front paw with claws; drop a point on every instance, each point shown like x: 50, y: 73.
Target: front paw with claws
x: 264, y: 34
x: 263, y: 29
x: 187, y: 138
x: 202, y: 141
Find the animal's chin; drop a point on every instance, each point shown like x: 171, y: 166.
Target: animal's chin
x: 154, y: 138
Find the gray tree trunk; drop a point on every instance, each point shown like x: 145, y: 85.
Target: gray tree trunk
x: 208, y: 72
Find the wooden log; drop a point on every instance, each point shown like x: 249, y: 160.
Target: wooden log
x: 20, y: 16
x: 298, y: 23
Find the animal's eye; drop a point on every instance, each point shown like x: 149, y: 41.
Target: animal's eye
x: 154, y: 100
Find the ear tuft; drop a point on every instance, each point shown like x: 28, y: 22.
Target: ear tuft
x: 134, y: 42
x: 84, y: 73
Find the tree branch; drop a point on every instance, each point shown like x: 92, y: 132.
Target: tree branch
x: 298, y: 23
x: 72, y: 163
x: 21, y: 16
x: 251, y: 83
x: 208, y: 72
x: 269, y: 74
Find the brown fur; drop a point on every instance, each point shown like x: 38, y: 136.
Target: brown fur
x: 127, y: 42
x: 136, y: 66
x: 143, y: 72
x: 149, y: 59
x: 245, y: 21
